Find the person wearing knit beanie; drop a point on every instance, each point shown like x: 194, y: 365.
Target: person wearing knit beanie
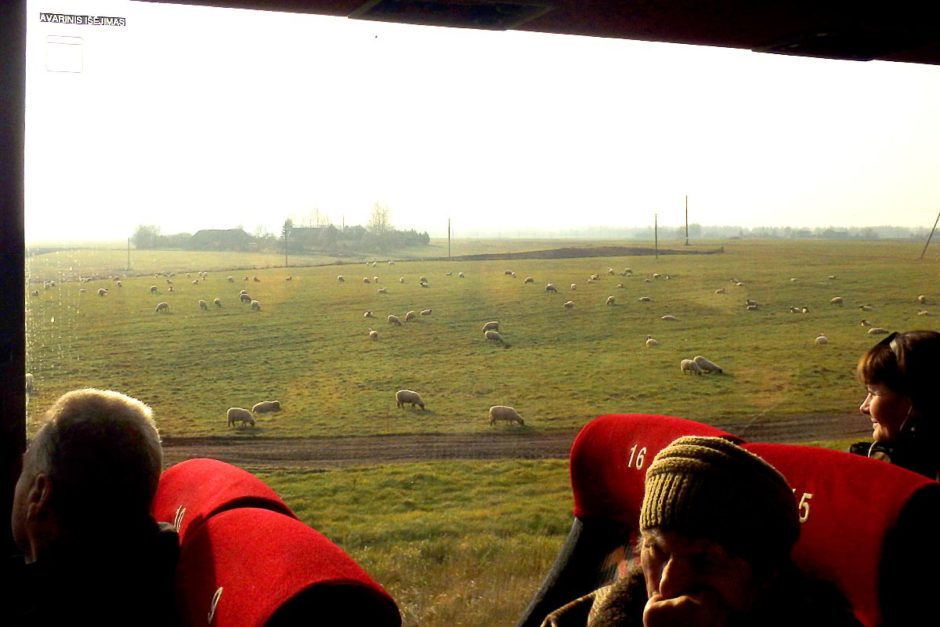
x: 717, y: 527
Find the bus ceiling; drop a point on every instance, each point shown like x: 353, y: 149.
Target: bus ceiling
x: 897, y: 31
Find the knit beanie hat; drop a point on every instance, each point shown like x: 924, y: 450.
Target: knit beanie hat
x: 708, y: 487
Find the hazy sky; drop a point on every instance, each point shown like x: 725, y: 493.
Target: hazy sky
x: 195, y: 118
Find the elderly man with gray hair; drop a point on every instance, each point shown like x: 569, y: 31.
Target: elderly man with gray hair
x: 91, y: 551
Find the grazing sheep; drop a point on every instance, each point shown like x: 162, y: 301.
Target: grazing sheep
x: 794, y: 310
x: 366, y: 279
x: 375, y: 279
x: 119, y: 284
x: 255, y: 305
x: 256, y: 279
x: 551, y: 288
x: 620, y: 286
x: 610, y: 271
x: 720, y: 290
x: 460, y: 275
x: 610, y: 300
x: 528, y: 279
x: 494, y: 336
x: 424, y: 285
x: 217, y: 302
x: 922, y: 299
x: 752, y: 307
x: 162, y: 306
x: 627, y: 272
x: 865, y: 323
x: 402, y: 397
x: 707, y: 365
x: 382, y: 290
x: 668, y: 318
x: 923, y: 312
x: 513, y: 275
x: 245, y: 298
x: 651, y: 341
x: 230, y: 279
x: 410, y: 315
x: 102, y: 291
x: 170, y: 289
x: 368, y: 314
x: 29, y: 383
x: 689, y: 365
x: 393, y: 319
x: 203, y: 305
x: 594, y: 277
x: 449, y: 273
x: 492, y: 325
x: 574, y: 286
x: 340, y: 278
x: 238, y: 414
x: 569, y: 304
x: 242, y: 292
x: 266, y: 407
x: 195, y: 281
x: 401, y: 279
x: 425, y: 312
x: 832, y: 277
x: 504, y: 412
x: 878, y: 331
x: 865, y: 307
x: 508, y: 272
x: 821, y: 339
x: 645, y: 299
x: 373, y: 335
x: 836, y: 300
x: 750, y: 301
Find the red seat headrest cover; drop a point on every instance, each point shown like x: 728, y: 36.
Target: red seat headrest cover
x: 847, y: 504
x: 610, y: 456
x: 240, y: 566
x: 194, y: 490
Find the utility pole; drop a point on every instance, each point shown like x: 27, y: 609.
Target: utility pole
x: 929, y: 237
x: 686, y: 219
x: 656, y: 233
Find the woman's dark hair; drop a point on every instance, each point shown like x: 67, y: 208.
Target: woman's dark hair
x: 907, y: 363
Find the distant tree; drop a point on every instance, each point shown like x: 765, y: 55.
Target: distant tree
x: 146, y: 236
x: 379, y: 221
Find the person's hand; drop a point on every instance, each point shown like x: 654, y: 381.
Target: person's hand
x: 687, y: 610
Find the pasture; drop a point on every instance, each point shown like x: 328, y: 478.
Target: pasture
x: 309, y: 347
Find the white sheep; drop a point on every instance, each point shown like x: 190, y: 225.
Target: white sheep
x: 425, y: 312
x: 382, y: 290
x: 707, y: 365
x: 610, y: 271
x: 528, y: 279
x: 203, y: 305
x: 256, y: 279
x: 878, y: 331
x: 865, y: 307
x: 368, y: 314
x: 266, y: 407
x: 720, y: 290
x: 865, y: 323
x: 375, y: 279
x: 569, y: 304
x: 668, y: 318
x: 102, y: 291
x: 836, y: 300
x: 373, y: 335
x: 508, y: 272
x: 651, y: 341
x: 366, y: 279
x: 504, y: 412
x: 401, y: 279
x: 923, y: 312
x: 620, y: 286
x: 217, y: 302
x: 422, y: 279
x: 410, y: 315
x: 340, y: 278
x: 255, y: 305
x: 594, y: 277
x: 627, y: 272
x: 492, y: 325
x: 550, y: 287
x: 245, y: 298
x: 821, y: 340
x: 645, y: 299
x: 402, y: 397
x: 689, y: 365
x: 753, y: 307
x: 494, y: 336
x: 393, y: 319
x: 610, y: 300
x: 162, y: 306
x: 449, y: 273
x: 574, y: 286
x: 230, y: 279
x: 238, y: 414
x: 922, y: 299
x: 460, y: 275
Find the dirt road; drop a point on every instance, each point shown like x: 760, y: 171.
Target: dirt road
x: 331, y: 452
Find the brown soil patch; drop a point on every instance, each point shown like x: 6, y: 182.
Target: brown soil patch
x: 502, y: 443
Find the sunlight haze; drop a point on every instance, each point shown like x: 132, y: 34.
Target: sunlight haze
x: 191, y: 118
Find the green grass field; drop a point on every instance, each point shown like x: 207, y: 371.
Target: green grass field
x: 467, y: 543
x: 309, y: 345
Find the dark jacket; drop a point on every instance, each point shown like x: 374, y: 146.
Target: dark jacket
x: 794, y: 601
x: 130, y: 581
x: 917, y: 448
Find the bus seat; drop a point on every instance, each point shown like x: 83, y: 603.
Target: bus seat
x: 192, y: 491
x: 869, y: 527
x: 251, y: 567
x: 608, y: 464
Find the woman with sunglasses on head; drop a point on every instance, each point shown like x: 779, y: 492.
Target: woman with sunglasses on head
x: 902, y: 376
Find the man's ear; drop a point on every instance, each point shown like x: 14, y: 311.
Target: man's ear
x: 39, y: 499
